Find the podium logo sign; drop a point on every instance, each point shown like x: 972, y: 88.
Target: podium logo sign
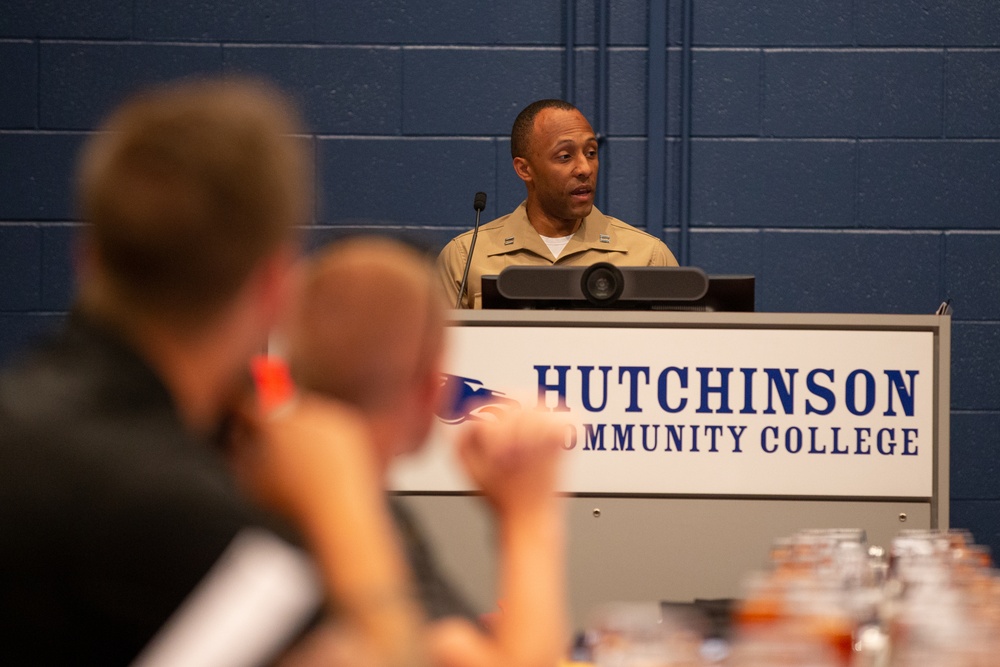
x: 821, y: 413
x: 469, y: 400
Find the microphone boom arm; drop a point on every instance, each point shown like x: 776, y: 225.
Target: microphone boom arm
x: 479, y: 204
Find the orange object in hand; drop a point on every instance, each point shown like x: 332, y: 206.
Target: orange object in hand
x: 273, y: 381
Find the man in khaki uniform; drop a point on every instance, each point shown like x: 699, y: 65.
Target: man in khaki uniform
x: 555, y: 153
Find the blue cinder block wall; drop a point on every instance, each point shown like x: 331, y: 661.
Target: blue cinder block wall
x: 846, y: 152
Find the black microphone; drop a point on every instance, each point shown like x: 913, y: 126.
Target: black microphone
x: 479, y: 204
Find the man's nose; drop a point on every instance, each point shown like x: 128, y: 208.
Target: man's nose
x: 582, y: 166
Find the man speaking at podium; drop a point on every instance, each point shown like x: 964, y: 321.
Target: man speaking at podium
x: 554, y: 150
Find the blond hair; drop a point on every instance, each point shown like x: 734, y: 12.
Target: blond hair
x: 369, y: 323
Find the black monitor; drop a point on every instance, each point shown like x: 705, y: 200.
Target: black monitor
x: 603, y: 286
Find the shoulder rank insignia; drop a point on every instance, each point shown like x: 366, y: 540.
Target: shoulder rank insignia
x: 605, y: 238
x: 509, y: 240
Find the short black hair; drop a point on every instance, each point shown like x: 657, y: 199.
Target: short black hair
x: 520, y: 134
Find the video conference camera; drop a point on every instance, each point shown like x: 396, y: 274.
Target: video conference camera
x: 606, y: 286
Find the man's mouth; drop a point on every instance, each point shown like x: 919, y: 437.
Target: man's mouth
x: 582, y: 191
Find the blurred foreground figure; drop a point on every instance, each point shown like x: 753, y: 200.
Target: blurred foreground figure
x: 369, y: 330
x: 119, y: 510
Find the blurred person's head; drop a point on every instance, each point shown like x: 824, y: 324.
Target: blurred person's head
x: 187, y: 190
x: 191, y: 194
x: 368, y: 329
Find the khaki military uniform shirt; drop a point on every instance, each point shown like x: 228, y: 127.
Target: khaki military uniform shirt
x: 512, y: 241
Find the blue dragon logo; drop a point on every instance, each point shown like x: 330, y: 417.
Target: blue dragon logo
x: 471, y: 401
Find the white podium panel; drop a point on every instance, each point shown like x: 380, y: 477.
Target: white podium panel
x: 733, y: 420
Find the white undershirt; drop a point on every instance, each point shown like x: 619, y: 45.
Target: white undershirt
x: 556, y: 244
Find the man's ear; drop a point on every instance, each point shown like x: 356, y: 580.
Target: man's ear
x: 435, y: 395
x: 522, y: 169
x: 427, y: 399
x: 277, y: 283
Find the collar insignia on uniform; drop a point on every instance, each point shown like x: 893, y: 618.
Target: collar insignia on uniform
x: 509, y: 240
x: 605, y: 238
